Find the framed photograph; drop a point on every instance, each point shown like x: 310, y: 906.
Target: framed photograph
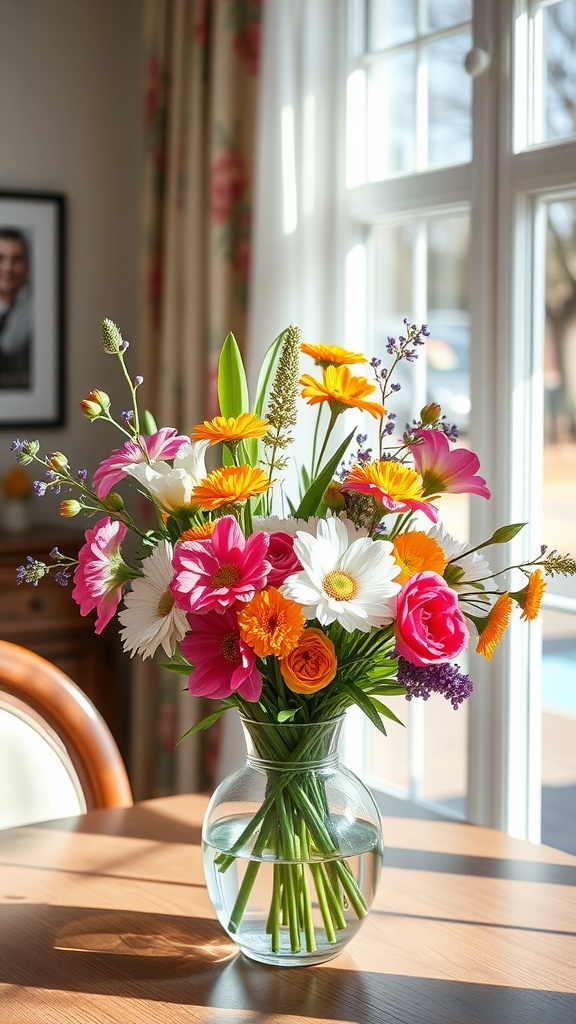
x: 31, y: 309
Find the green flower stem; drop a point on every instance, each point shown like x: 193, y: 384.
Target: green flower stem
x: 351, y: 889
x: 319, y: 882
x: 273, y: 924
x: 306, y: 900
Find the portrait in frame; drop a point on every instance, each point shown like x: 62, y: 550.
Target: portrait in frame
x: 31, y: 309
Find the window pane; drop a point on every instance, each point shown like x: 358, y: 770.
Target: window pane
x: 559, y: 515
x: 390, y: 22
x: 446, y: 13
x: 391, y: 120
x: 449, y: 102
x: 559, y: 45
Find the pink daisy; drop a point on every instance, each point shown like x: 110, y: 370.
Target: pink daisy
x: 164, y: 444
x: 101, y: 571
x: 216, y: 572
x: 223, y: 663
x: 444, y: 470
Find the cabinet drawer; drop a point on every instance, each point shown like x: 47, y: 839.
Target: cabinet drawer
x: 27, y: 607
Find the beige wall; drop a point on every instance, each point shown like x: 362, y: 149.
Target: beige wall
x: 70, y: 101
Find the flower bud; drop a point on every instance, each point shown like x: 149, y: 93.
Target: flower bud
x: 111, y: 337
x: 95, y: 404
x: 430, y: 414
x: 70, y: 508
x: 333, y: 497
x: 114, y: 502
x: 57, y: 461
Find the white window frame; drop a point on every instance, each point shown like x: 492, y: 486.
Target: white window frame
x: 504, y: 189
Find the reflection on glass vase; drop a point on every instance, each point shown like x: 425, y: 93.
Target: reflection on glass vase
x: 292, y: 846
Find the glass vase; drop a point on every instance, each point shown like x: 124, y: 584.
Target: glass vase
x: 292, y: 846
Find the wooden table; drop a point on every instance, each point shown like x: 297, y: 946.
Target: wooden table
x: 104, y: 918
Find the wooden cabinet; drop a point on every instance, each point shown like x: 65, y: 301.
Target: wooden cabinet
x: 47, y: 620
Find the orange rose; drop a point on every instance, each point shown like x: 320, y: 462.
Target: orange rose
x: 311, y: 665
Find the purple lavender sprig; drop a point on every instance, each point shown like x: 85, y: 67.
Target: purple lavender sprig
x: 421, y: 681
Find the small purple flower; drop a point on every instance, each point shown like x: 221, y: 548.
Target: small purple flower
x: 127, y: 416
x: 63, y: 577
x: 55, y: 553
x: 375, y: 363
x: 446, y: 679
x: 395, y: 387
x: 138, y: 381
x: 82, y: 475
x: 125, y: 344
x: 39, y: 487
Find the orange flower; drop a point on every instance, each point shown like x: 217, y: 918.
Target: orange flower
x: 312, y: 664
x: 396, y: 487
x: 198, y: 532
x: 495, y: 626
x: 530, y: 598
x: 271, y: 623
x: 341, y: 390
x: 231, y: 429
x: 230, y: 485
x: 417, y: 552
x: 332, y: 355
x: 16, y: 484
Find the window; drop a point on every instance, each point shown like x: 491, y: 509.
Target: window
x: 461, y: 194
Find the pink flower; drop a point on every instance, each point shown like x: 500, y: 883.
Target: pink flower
x: 430, y: 628
x: 282, y: 558
x: 101, y: 571
x: 164, y: 444
x: 216, y: 572
x: 445, y: 470
x: 222, y: 662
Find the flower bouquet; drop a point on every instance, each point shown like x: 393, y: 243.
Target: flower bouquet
x: 290, y: 582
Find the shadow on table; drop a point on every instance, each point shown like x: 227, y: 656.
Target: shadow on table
x: 189, y: 962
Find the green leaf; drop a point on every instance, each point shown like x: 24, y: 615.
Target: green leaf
x: 313, y: 497
x: 384, y: 710
x: 205, y: 723
x: 183, y: 670
x: 365, y: 704
x: 267, y: 371
x: 232, y: 385
x: 148, y: 423
x: 288, y: 714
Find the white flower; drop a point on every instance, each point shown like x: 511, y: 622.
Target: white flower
x: 475, y: 570
x: 273, y: 524
x: 171, y: 486
x: 150, y: 616
x: 346, y: 577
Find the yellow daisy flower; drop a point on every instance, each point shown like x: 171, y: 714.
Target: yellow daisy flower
x: 230, y: 429
x: 230, y: 485
x: 271, y: 623
x: 530, y: 598
x: 417, y: 552
x: 332, y: 355
x: 200, y: 532
x: 341, y: 390
x: 495, y: 626
x: 397, y: 488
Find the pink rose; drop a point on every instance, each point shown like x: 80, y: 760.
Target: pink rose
x: 430, y: 627
x: 281, y: 555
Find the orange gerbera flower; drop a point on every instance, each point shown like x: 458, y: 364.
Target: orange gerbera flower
x: 530, y: 598
x: 230, y: 485
x: 495, y: 626
x: 198, y: 532
x: 271, y: 623
x: 332, y: 355
x: 341, y: 390
x: 397, y: 488
x: 233, y: 428
x: 417, y: 552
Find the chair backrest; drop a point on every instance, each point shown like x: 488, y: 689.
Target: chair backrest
x: 57, y: 755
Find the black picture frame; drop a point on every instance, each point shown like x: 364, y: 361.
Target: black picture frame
x: 32, y: 309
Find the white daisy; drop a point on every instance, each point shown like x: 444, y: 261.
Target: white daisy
x: 150, y: 616
x: 346, y: 577
x: 475, y: 570
x: 273, y: 524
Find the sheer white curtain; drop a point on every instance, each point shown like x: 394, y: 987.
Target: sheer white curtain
x: 299, y: 228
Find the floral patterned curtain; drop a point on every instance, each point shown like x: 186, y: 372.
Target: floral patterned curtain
x: 199, y: 127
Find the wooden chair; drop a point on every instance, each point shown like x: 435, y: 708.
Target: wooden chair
x: 57, y: 755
